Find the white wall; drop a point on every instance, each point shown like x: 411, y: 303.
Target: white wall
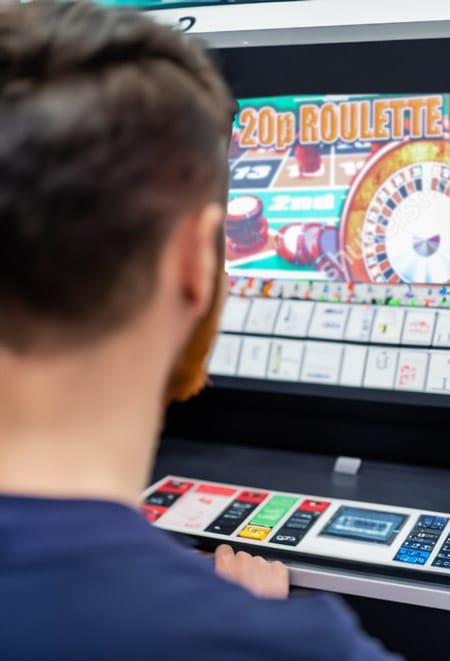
x: 315, y: 21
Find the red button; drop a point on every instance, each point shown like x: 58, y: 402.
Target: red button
x: 314, y: 506
x: 153, y: 512
x: 175, y: 486
x: 215, y: 490
x: 252, y: 496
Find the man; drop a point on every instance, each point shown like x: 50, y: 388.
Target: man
x: 113, y: 178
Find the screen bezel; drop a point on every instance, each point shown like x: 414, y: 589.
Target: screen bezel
x: 380, y: 425
x: 339, y: 68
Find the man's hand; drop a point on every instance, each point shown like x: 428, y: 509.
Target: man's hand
x: 263, y: 579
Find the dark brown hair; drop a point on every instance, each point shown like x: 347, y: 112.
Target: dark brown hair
x: 112, y: 127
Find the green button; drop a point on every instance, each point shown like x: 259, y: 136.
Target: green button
x: 274, y: 510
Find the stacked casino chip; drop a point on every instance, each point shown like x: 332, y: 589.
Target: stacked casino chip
x: 310, y: 244
x: 246, y: 229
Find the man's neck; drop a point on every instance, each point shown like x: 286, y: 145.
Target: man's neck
x: 83, y: 426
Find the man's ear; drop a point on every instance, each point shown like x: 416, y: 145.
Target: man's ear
x: 199, y: 249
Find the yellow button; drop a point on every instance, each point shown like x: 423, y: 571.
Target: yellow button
x: 255, y: 532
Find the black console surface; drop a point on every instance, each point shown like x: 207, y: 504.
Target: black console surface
x: 392, y: 484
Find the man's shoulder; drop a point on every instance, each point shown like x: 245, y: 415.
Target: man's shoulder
x: 168, y: 598
x: 96, y: 581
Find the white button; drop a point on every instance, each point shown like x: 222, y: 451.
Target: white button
x: 254, y: 355
x: 353, y: 365
x: 380, y: 368
x: 360, y: 322
x: 262, y: 316
x: 225, y: 354
x: 329, y: 321
x: 418, y: 328
x: 293, y: 318
x: 285, y: 360
x: 387, y: 327
x: 234, y: 314
x: 411, y: 370
x: 442, y: 332
x: 322, y: 362
x: 439, y: 372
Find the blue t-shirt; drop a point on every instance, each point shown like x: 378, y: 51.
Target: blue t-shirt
x: 92, y: 580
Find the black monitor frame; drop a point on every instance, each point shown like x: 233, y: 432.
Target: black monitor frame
x: 381, y: 425
x: 413, y: 66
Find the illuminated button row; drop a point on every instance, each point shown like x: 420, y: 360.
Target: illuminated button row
x: 331, y: 363
x: 337, y: 321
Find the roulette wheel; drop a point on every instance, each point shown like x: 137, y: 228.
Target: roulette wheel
x: 395, y: 225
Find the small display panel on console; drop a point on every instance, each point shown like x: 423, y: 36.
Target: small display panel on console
x: 365, y: 525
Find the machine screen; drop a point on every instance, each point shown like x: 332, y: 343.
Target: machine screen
x: 345, y: 188
x: 365, y: 525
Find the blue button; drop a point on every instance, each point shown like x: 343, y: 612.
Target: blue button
x: 412, y: 556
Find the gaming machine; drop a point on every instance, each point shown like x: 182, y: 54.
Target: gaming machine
x: 322, y: 439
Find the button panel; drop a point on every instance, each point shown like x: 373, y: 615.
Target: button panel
x: 254, y: 357
x: 442, y: 559
x: 373, y: 534
x: 381, y: 368
x: 411, y: 370
x: 234, y: 314
x: 322, y: 362
x: 299, y: 523
x: 158, y: 502
x: 329, y: 321
x: 239, y: 510
x: 419, y: 328
x: 418, y: 546
x: 337, y: 321
x: 225, y: 355
x: 357, y: 353
x: 262, y: 316
x: 285, y: 360
x: 360, y: 322
x: 388, y: 325
x: 268, y: 517
x: 294, y: 318
x: 353, y: 365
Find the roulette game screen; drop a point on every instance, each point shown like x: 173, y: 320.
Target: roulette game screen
x: 341, y: 187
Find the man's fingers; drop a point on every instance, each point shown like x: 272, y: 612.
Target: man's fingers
x: 254, y: 573
x: 224, y: 551
x: 223, y: 556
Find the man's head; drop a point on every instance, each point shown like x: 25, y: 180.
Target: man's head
x: 113, y: 179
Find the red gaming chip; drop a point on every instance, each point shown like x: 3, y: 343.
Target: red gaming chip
x: 259, y: 232
x: 329, y: 259
x: 306, y: 244
x: 250, y: 241
x: 290, y: 244
x: 243, y: 208
x: 236, y: 230
x: 329, y: 241
x: 312, y: 236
